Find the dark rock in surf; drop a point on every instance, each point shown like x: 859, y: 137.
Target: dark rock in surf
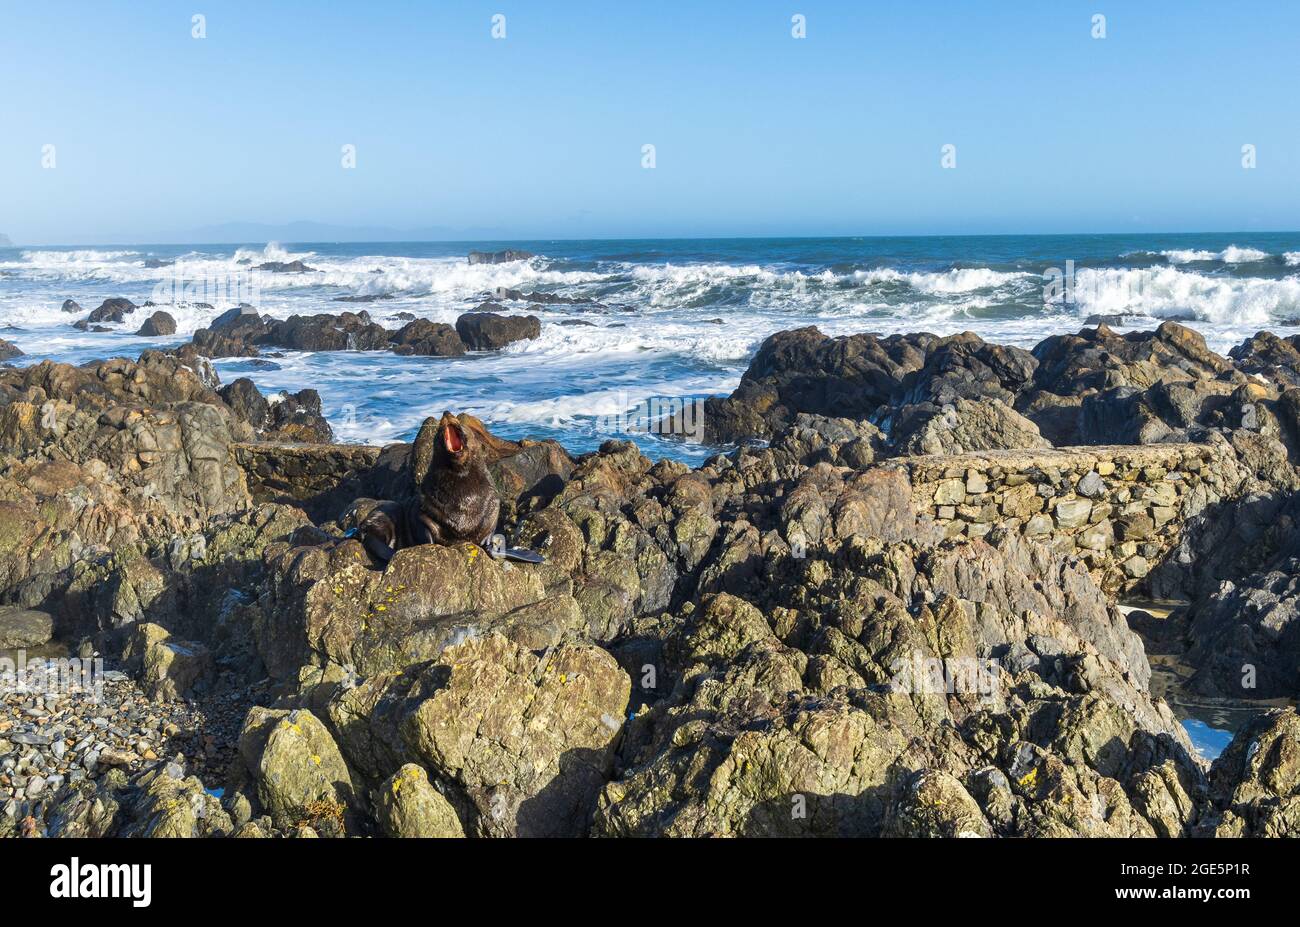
x: 112, y: 310
x: 430, y: 339
x: 490, y: 331
x: 297, y: 417
x: 368, y: 298
x: 158, y: 325
x: 281, y: 267
x: 346, y: 331
x: 803, y: 370
x: 247, y: 402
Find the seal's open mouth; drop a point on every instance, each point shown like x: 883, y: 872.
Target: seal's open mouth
x: 453, y: 439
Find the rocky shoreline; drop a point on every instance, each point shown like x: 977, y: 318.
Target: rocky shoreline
x: 890, y: 610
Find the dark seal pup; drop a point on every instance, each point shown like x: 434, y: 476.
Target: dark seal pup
x: 455, y: 500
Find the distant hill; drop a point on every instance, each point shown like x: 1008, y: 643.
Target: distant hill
x: 5, y: 242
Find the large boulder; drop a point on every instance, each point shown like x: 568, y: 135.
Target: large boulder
x: 347, y: 331
x: 432, y: 339
x: 329, y: 604
x: 299, y: 773
x: 803, y: 370
x: 407, y: 805
x: 490, y: 331
x: 528, y: 740
x: 967, y: 367
x: 169, y: 668
x: 1270, y: 357
x: 24, y: 627
x: 962, y: 426
x: 158, y: 325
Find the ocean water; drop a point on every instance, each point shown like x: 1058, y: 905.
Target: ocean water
x: 670, y: 318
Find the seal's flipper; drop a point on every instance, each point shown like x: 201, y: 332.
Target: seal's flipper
x: 523, y: 555
x: 381, y: 551
x: 496, y: 547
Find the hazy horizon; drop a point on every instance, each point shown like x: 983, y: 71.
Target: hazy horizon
x: 286, y: 239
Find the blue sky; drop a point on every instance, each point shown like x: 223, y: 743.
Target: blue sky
x: 539, y: 134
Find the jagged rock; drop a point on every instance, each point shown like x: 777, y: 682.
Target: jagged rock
x: 1255, y: 782
x: 346, y: 331
x: 329, y: 601
x: 169, y: 806
x: 1246, y: 636
x: 247, y: 402
x: 842, y: 442
x: 805, y: 371
x: 962, y: 426
x: 1099, y: 359
x: 1270, y: 357
x: 936, y: 804
x: 297, y: 417
x: 9, y: 350
x: 967, y: 367
x: 285, y: 267
x: 241, y: 332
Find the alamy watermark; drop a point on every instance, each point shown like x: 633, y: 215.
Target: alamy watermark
x: 52, y: 676
x: 179, y: 287
x: 666, y: 416
x: 921, y: 674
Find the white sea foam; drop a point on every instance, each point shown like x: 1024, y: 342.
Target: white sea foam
x: 1229, y: 255
x: 656, y: 334
x: 1168, y: 291
x: 957, y: 280
x: 273, y: 251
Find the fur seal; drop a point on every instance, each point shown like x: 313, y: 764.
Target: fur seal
x: 454, y: 499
